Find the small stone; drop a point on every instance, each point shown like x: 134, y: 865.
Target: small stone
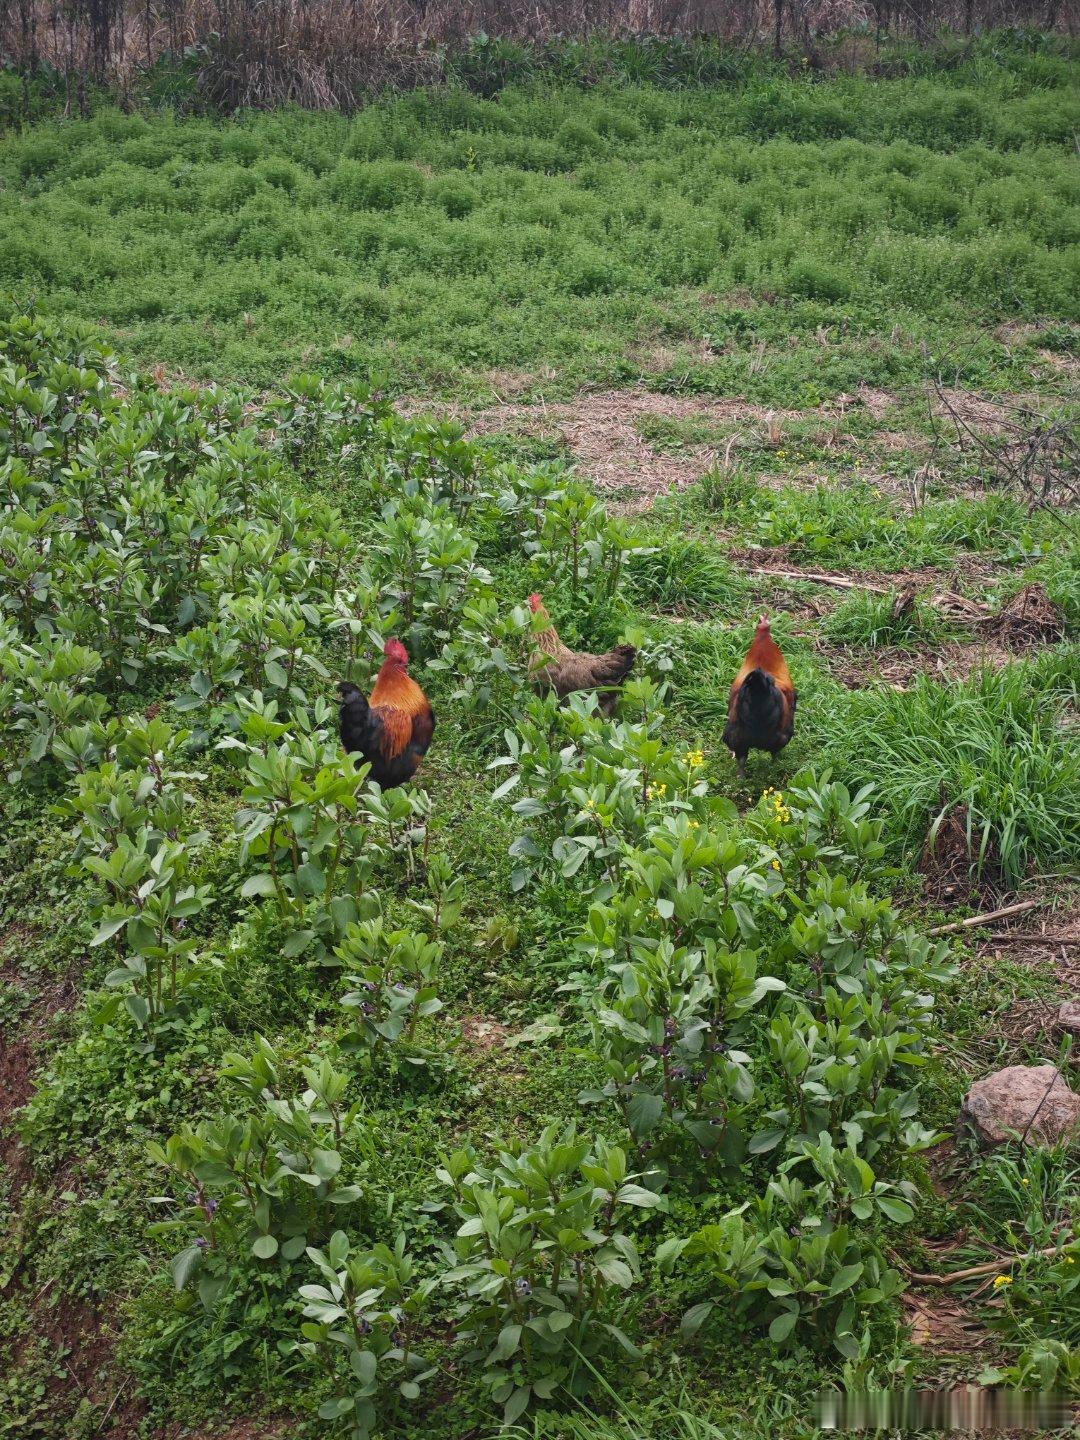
x: 1032, y: 1103
x: 1068, y: 1019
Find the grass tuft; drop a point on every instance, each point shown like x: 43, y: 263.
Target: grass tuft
x: 1004, y: 743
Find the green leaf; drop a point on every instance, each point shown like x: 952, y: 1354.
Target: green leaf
x: 139, y: 1008
x: 872, y: 1296
x: 644, y: 1111
x: 264, y: 1247
x: 334, y: 1409
x: 108, y: 929
x: 508, y: 1341
x: 639, y: 1196
x: 898, y: 1210
x: 668, y: 1251
x: 311, y: 878
x: 326, y: 1163
x: 615, y: 1271
x: 845, y: 1278
x: 257, y: 885
x: 365, y: 1365
x: 516, y: 1405
x: 694, y: 1318
x: 783, y: 1325
x: 297, y: 942
x: 765, y: 1140
x: 211, y: 1289
x: 184, y: 1264
x: 624, y: 1340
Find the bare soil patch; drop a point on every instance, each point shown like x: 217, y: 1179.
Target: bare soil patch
x: 231, y: 1430
x: 481, y: 1032
x: 1069, y: 365
x: 1028, y: 620
x: 941, y: 1325
x: 602, y: 431
x: 775, y: 563
x: 878, y: 402
x: 990, y: 416
x: 1043, y: 937
x: 898, y: 669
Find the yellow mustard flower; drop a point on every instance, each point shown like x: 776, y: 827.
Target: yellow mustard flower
x: 1002, y: 1280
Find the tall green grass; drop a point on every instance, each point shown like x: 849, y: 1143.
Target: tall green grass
x: 1005, y: 743
x: 440, y: 232
x: 870, y: 620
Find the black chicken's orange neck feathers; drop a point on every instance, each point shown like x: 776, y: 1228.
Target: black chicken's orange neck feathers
x: 395, y: 688
x: 765, y: 654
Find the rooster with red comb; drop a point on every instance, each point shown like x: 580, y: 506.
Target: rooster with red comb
x: 761, y: 706
x: 392, y: 729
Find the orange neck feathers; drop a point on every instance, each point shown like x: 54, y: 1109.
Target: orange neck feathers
x: 765, y: 654
x: 394, y: 686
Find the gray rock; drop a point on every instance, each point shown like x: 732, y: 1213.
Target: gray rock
x: 1068, y: 1019
x: 1029, y: 1102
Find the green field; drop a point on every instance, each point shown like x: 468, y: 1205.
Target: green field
x: 581, y: 1089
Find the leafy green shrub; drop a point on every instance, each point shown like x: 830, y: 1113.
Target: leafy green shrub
x: 375, y: 184
x: 541, y: 1262
x: 394, y: 979
x: 588, y: 271
x: 795, y: 1261
x: 282, y: 174
x: 362, y: 1328
x: 262, y: 1182
x: 817, y: 280
x: 455, y: 197
x: 578, y: 140
x: 662, y: 1023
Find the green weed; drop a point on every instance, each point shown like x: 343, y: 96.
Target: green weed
x: 1001, y: 744
x: 555, y: 227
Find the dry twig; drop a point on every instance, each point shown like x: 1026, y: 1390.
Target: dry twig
x: 974, y: 920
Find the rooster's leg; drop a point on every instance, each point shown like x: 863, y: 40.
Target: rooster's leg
x: 742, y: 767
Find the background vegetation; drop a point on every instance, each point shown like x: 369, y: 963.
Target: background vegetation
x: 333, y: 54
x: 442, y: 233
